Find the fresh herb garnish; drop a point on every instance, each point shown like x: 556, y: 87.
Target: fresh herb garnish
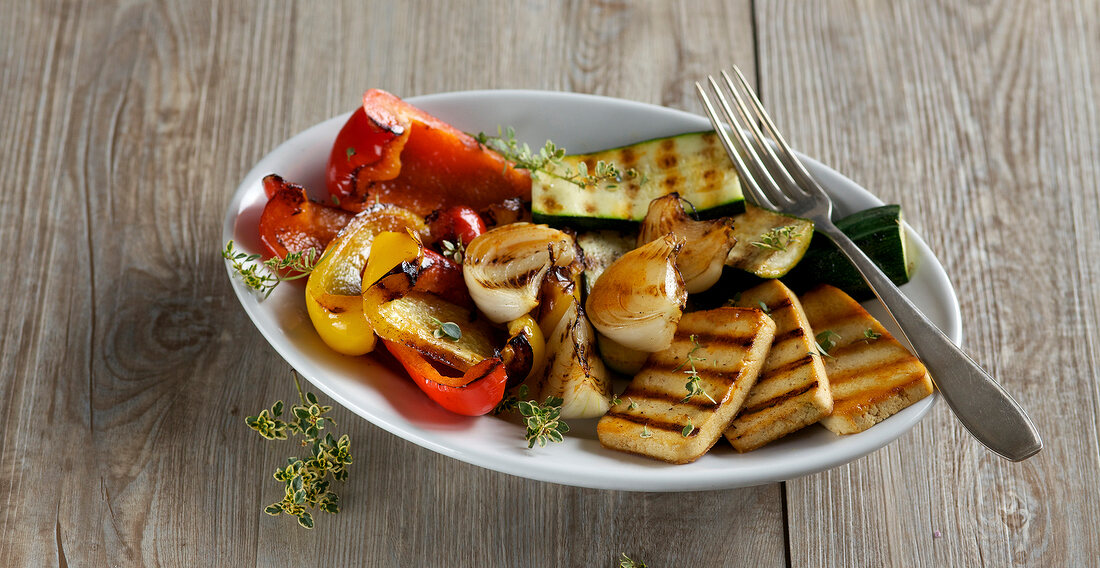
x: 350, y: 152
x: 505, y: 144
x: 825, y: 341
x: 688, y: 429
x: 448, y: 329
x: 301, y: 262
x: 510, y: 402
x: 543, y: 421
x: 605, y: 174
x: 626, y: 562
x: 645, y: 432
x: 870, y: 335
x: 778, y: 238
x: 453, y: 250
x: 764, y: 307
x: 306, y: 481
x: 693, y: 387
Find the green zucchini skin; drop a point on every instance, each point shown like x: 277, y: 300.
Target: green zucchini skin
x: 694, y: 164
x: 878, y: 232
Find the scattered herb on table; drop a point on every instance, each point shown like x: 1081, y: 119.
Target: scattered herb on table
x: 626, y: 562
x: 306, y: 481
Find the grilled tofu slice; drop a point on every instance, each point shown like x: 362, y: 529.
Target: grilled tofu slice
x: 792, y: 390
x: 872, y: 376
x: 658, y: 416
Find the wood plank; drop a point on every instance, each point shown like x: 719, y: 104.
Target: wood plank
x: 129, y: 125
x: 981, y: 120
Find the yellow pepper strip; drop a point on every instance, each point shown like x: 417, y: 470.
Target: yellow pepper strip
x: 333, y: 292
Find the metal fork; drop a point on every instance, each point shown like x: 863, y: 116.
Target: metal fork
x: 774, y: 178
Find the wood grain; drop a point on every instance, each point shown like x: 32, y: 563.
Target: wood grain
x: 128, y: 365
x: 980, y: 119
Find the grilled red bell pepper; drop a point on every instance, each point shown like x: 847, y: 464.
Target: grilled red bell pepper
x: 392, y: 152
x: 291, y: 222
x: 476, y: 392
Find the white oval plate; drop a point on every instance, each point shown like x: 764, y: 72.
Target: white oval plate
x: 580, y: 123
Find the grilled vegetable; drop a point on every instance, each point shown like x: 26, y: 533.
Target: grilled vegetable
x: 639, y: 299
x: 620, y: 359
x: 504, y: 268
x: 694, y: 165
x: 601, y: 249
x: 392, y: 152
x: 401, y: 314
x: 574, y: 372
x: 334, y: 290
x: 718, y: 351
x: 291, y: 222
x: 706, y: 243
x: 878, y: 232
x: 474, y: 393
x: 769, y: 244
x: 792, y: 390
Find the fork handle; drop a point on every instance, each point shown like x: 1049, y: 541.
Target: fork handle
x: 979, y: 401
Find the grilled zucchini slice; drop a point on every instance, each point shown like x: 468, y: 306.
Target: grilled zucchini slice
x: 695, y: 165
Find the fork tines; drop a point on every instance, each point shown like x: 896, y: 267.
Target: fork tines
x: 771, y: 180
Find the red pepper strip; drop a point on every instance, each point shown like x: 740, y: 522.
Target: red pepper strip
x: 459, y: 223
x: 291, y: 222
x: 475, y: 393
x: 396, y: 153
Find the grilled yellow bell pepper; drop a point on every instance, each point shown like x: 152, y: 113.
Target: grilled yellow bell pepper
x: 334, y: 290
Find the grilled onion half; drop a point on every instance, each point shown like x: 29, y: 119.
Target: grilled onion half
x: 706, y: 246
x: 639, y: 299
x: 504, y: 267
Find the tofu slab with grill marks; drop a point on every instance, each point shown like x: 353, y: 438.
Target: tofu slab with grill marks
x: 653, y: 416
x: 792, y: 390
x: 872, y: 376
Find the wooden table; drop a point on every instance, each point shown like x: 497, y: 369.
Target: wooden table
x: 127, y: 365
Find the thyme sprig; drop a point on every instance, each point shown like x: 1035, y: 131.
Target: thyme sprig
x: 605, y: 174
x: 299, y: 265
x: 505, y: 144
x: 626, y: 562
x: 778, y: 238
x: 306, y: 481
x: 543, y: 421
x: 693, y: 387
x: 453, y: 250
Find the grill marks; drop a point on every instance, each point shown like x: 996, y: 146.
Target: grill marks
x: 872, y: 379
x: 653, y: 415
x: 792, y: 391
